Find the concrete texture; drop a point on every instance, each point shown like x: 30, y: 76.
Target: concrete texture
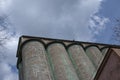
x: 62, y: 66
x: 49, y: 59
x: 84, y: 66
x: 35, y: 65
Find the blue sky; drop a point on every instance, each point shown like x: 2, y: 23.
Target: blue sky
x: 80, y: 20
x: 110, y: 9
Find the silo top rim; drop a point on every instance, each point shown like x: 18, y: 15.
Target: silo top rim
x: 64, y: 40
x: 61, y: 40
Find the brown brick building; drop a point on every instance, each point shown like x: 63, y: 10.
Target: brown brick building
x: 54, y: 59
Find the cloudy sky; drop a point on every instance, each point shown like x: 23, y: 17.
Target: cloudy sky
x: 80, y: 20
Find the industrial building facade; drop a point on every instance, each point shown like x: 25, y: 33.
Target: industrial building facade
x: 54, y: 59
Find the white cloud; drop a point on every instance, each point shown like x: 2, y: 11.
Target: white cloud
x: 8, y: 60
x: 66, y: 19
x: 11, y: 49
x: 4, y: 5
x: 97, y: 23
x: 6, y: 72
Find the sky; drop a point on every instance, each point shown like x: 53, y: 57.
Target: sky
x: 79, y: 20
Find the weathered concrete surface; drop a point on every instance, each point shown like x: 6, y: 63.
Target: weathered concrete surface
x: 95, y: 55
x: 104, y: 51
x: 20, y: 67
x: 84, y: 66
x: 35, y: 62
x: 55, y: 62
x: 62, y: 66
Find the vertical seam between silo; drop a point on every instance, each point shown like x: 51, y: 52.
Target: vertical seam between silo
x: 51, y: 65
x: 74, y: 64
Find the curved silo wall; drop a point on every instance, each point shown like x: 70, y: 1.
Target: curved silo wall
x: 41, y: 59
x: 35, y: 62
x: 84, y: 66
x: 95, y: 55
x: 61, y: 63
x: 20, y: 67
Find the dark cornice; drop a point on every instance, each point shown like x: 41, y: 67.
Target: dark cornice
x: 63, y: 40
